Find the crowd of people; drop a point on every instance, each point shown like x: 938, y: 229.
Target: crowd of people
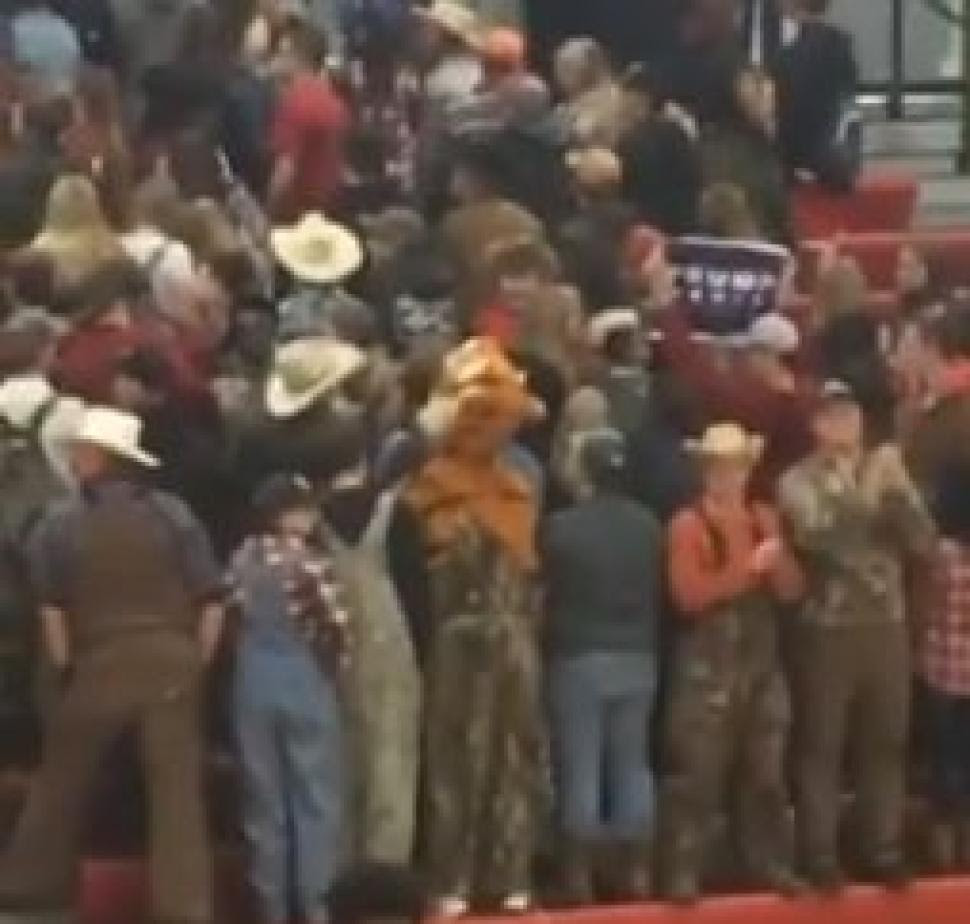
x: 456, y: 419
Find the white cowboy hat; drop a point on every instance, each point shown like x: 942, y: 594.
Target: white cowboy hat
x: 22, y: 398
x: 453, y: 18
x: 306, y: 370
x: 773, y: 332
x: 317, y: 250
x: 611, y: 321
x: 727, y: 440
x: 116, y: 432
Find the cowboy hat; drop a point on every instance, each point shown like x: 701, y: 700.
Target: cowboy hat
x: 451, y: 17
x: 306, y: 370
x: 75, y: 236
x: 773, y: 333
x: 595, y: 168
x: 727, y: 440
x: 612, y: 321
x: 22, y: 398
x: 116, y: 432
x: 316, y: 250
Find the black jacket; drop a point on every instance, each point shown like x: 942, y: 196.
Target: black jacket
x: 815, y: 76
x: 603, y: 572
x: 662, y: 175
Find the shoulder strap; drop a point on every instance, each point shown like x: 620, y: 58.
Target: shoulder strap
x: 375, y: 536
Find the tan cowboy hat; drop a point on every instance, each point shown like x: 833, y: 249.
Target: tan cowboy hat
x: 116, y: 432
x: 304, y: 371
x: 612, y: 321
x: 595, y: 168
x: 316, y: 250
x: 75, y: 235
x: 451, y: 17
x: 727, y: 440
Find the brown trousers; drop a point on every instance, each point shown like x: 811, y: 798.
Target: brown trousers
x: 853, y: 689
x: 149, y: 682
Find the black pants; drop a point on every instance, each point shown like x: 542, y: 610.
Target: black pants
x: 948, y: 750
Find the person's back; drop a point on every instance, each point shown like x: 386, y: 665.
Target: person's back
x: 602, y: 570
x: 309, y: 129
x: 816, y: 78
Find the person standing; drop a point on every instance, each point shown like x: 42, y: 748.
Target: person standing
x: 602, y: 566
x: 853, y: 516
x: 130, y: 606
x: 308, y: 133
x: 484, y: 742
x: 817, y: 77
x: 293, y: 649
x: 729, y: 707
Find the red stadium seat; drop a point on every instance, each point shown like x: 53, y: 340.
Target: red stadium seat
x: 879, y: 203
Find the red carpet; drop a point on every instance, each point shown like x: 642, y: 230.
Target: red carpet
x: 113, y: 893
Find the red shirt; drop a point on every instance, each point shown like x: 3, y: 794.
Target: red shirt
x: 310, y: 125
x: 731, y: 394
x: 87, y: 359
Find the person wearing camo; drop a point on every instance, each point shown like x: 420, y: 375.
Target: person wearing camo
x: 729, y: 713
x: 853, y: 516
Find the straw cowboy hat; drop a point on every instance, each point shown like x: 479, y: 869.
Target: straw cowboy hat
x: 453, y: 18
x: 316, y: 250
x: 116, y: 432
x: 612, y: 321
x: 304, y: 371
x: 22, y: 398
x: 595, y: 168
x: 75, y: 236
x: 727, y: 440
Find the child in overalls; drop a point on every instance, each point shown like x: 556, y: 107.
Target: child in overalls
x: 288, y: 721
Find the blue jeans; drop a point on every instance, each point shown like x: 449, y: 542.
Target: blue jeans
x: 291, y: 746
x: 600, y: 706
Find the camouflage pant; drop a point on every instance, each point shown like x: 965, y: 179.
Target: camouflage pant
x: 726, y: 734
x: 484, y: 756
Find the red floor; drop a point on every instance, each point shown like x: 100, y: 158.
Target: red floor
x: 936, y: 902
x: 113, y: 893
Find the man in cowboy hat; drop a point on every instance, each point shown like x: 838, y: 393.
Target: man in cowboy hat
x: 319, y: 255
x: 729, y: 711
x: 853, y: 516
x: 128, y: 591
x: 314, y: 422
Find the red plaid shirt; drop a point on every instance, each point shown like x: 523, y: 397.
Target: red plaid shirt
x: 945, y: 640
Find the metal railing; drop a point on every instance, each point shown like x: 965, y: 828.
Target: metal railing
x: 898, y: 86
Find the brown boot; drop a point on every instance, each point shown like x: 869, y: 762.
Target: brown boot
x: 962, y: 842
x: 943, y: 846
x: 576, y: 873
x: 636, y: 866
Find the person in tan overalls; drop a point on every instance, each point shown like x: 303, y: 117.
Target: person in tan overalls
x: 129, y: 593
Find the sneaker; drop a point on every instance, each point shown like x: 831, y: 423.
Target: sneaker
x: 452, y: 907
x: 517, y: 903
